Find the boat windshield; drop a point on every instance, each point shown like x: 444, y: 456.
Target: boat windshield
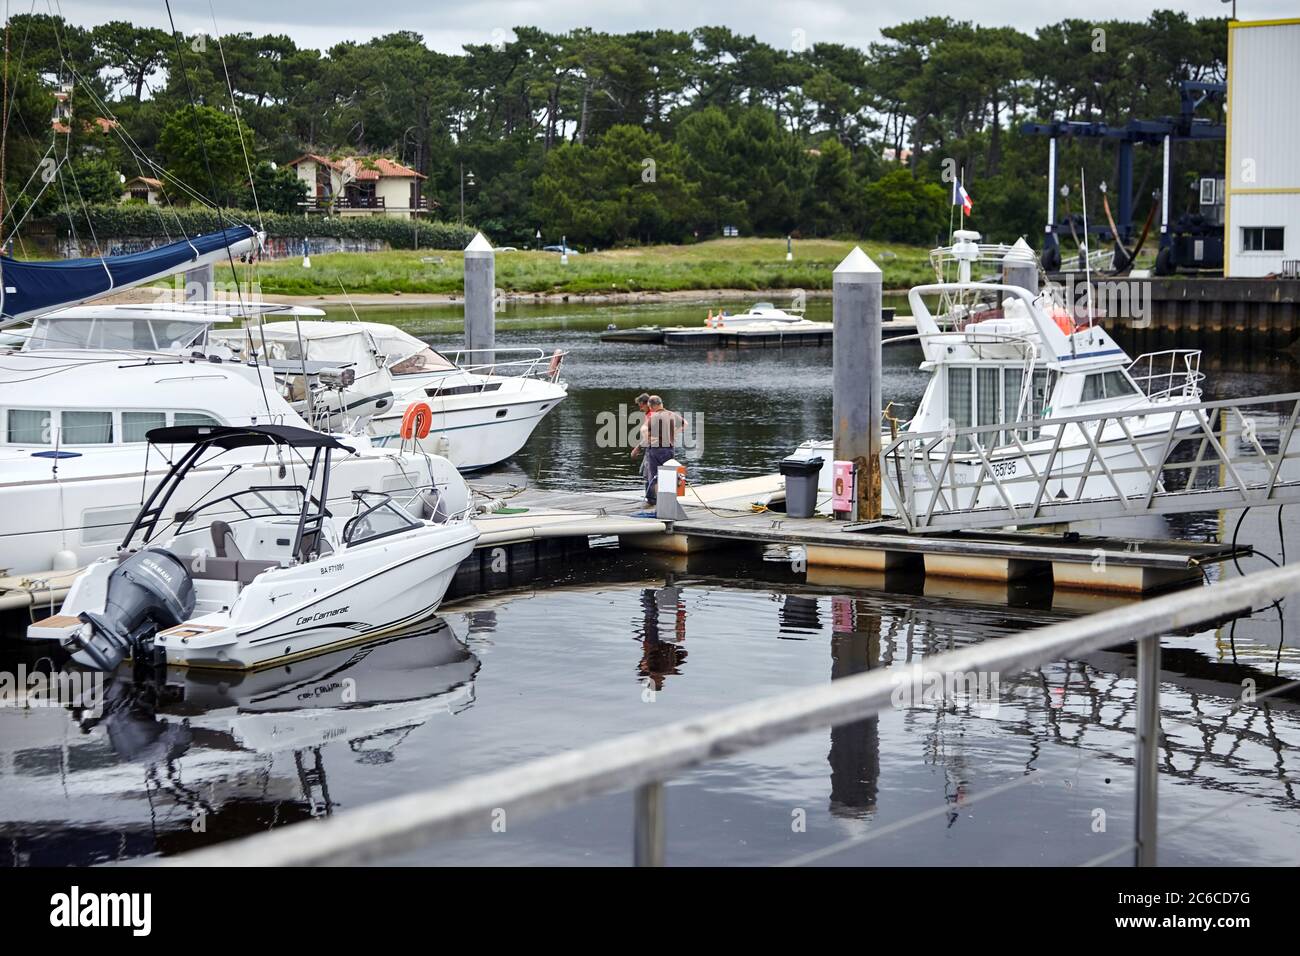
x: 426, y: 360
x: 160, y: 334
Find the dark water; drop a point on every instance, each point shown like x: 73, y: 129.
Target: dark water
x: 636, y: 642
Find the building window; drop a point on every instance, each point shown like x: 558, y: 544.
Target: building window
x: 1262, y: 238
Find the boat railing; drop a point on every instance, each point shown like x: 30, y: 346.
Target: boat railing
x: 644, y: 762
x: 1171, y: 373
x: 530, y: 363
x: 1151, y: 459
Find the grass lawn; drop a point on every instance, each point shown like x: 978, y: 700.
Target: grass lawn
x: 717, y: 264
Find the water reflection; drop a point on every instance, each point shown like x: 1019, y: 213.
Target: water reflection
x: 194, y: 756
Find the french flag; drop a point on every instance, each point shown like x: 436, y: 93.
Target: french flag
x: 963, y: 197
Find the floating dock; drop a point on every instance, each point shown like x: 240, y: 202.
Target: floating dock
x: 541, y: 532
x: 739, y: 514
x: 815, y: 334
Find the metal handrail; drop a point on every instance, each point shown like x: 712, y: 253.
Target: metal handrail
x: 644, y: 760
x: 1184, y: 382
x: 1068, y: 466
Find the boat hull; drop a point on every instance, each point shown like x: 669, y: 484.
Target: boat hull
x: 473, y: 437
x: 292, y: 613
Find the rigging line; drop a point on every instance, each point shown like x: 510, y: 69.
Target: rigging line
x: 216, y: 32
x: 207, y: 164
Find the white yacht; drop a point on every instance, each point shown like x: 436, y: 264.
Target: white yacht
x: 999, y: 355
x: 266, y: 574
x: 89, y: 383
x: 478, y: 416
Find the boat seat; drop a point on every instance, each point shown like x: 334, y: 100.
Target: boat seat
x: 223, y: 540
x: 242, y: 570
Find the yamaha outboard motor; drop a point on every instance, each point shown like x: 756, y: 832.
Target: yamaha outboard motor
x: 148, y: 592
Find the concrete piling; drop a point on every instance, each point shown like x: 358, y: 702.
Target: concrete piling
x: 480, y: 287
x: 857, y: 288
x: 1020, y: 266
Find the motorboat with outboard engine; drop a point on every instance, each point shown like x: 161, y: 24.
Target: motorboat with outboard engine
x: 265, y: 574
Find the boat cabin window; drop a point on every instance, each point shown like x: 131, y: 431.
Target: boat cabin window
x: 1103, y: 385
x: 87, y: 428
x: 424, y: 361
x: 991, y: 395
x: 27, y: 426
x: 116, y: 333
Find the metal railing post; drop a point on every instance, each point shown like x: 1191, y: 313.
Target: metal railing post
x: 1147, y: 747
x: 648, y: 830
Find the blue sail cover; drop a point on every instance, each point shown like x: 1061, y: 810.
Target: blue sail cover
x: 32, y: 288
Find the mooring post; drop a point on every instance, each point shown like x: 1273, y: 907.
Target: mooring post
x: 648, y: 839
x: 1019, y: 267
x: 856, y: 344
x: 198, y: 284
x: 480, y: 287
x: 1148, y: 743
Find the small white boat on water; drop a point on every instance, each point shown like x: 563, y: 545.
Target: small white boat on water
x: 283, y: 578
x: 87, y: 385
x: 759, y: 316
x: 1000, y: 355
x: 478, y: 415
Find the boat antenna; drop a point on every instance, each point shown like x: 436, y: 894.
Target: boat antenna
x: 349, y: 298
x: 1087, y: 261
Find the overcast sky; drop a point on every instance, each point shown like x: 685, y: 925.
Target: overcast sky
x: 448, y: 26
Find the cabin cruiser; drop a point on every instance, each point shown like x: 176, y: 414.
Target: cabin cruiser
x: 478, y: 415
x: 88, y: 384
x: 265, y: 574
x: 1001, y: 355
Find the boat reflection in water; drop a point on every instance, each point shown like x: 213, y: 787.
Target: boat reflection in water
x: 193, y: 758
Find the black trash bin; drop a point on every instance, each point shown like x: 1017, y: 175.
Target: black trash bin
x: 801, y: 486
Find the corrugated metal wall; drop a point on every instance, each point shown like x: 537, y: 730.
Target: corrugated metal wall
x: 1263, y: 141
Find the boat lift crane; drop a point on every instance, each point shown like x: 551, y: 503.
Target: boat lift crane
x: 1187, y: 243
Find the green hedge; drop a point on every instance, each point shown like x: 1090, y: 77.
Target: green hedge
x: 137, y: 220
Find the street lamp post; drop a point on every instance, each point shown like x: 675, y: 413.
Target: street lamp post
x: 462, y: 190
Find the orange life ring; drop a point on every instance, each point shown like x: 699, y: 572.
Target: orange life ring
x: 416, y: 421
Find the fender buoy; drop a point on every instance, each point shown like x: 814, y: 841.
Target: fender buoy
x: 557, y: 357
x: 416, y: 421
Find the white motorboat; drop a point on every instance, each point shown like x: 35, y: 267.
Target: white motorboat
x: 1000, y: 355
x: 761, y: 316
x: 281, y: 580
x: 478, y: 416
x: 88, y: 384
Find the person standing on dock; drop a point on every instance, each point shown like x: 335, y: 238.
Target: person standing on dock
x: 661, y: 431
x: 643, y: 433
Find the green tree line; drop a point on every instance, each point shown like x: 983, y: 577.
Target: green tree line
x: 650, y: 136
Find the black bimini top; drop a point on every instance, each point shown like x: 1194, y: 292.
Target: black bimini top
x: 243, y: 436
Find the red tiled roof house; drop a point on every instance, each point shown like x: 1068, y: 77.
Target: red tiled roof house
x: 360, y: 185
